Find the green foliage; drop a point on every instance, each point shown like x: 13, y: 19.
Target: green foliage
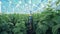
x: 13, y: 24
x: 44, y: 22
x: 58, y: 2
x: 55, y: 29
x: 47, y: 22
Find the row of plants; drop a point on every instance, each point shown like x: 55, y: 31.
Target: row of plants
x: 13, y: 23
x: 47, y: 22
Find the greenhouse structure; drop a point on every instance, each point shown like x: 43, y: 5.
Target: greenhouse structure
x: 29, y: 16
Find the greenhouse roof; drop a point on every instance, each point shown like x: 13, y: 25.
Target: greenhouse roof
x: 22, y: 6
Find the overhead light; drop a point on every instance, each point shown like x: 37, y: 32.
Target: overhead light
x: 49, y: 0
x: 42, y: 5
x: 10, y: 2
x: 19, y: 2
x: 34, y: 5
x: 26, y: 4
x: 13, y: 9
x: 17, y: 5
x: 0, y: 2
x: 30, y: 2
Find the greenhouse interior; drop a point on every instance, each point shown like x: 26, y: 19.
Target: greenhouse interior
x: 29, y: 16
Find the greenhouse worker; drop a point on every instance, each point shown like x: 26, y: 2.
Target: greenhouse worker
x: 30, y: 25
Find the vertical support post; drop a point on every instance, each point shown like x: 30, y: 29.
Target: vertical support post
x: 30, y: 25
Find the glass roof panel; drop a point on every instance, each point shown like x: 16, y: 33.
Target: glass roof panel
x: 22, y: 6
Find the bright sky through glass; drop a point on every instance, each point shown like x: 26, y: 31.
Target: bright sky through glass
x: 0, y: 6
x: 22, y: 6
